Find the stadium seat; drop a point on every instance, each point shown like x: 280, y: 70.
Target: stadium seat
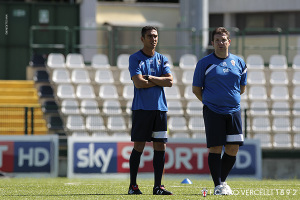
x: 261, y: 124
x: 70, y: 106
x: 56, y: 60
x: 187, y: 77
x: 296, y: 108
x: 279, y: 78
x: 100, y: 61
x: 125, y: 77
x: 296, y: 142
x: 74, y: 60
x: 257, y: 93
x: 180, y: 135
x: 175, y: 108
x: 296, y: 124
x: 128, y: 92
x: 108, y: 92
x: 50, y: 107
x: 37, y: 60
x: 196, y: 124
x: 279, y: 93
x: 281, y: 124
x: 172, y: 93
x: 174, y: 77
x: 80, y: 76
x: 45, y: 91
x: 112, y: 107
x: 177, y: 124
x: 256, y: 77
x: 188, y: 93
x: 296, y: 78
x: 278, y: 62
x: 255, y: 61
x: 282, y: 140
x: 280, y: 108
x: 41, y: 76
x: 95, y: 123
x: 194, y: 108
x: 188, y: 61
x: 296, y: 62
x: 170, y: 60
x: 259, y: 108
x: 85, y: 91
x: 296, y: 93
x: 55, y: 123
x: 103, y: 76
x: 123, y: 61
x: 89, y: 107
x: 128, y: 107
x: 75, y: 123
x: 61, y: 76
x: 265, y: 139
x: 66, y: 91
x: 116, y: 123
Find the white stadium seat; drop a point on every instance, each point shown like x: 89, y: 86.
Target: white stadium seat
x: 56, y: 60
x: 100, y: 61
x: 123, y: 61
x: 278, y: 62
x: 74, y: 60
x: 188, y: 61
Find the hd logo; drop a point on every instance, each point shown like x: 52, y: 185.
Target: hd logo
x: 25, y: 156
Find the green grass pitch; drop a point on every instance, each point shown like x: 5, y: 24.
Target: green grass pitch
x: 64, y: 188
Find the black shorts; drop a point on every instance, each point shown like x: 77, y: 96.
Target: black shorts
x: 222, y: 129
x: 149, y: 125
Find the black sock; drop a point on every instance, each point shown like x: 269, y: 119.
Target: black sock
x: 214, y: 163
x: 158, y: 165
x: 227, y: 164
x: 134, y: 163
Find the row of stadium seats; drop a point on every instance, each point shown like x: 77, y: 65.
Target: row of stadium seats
x: 186, y: 61
x: 183, y: 105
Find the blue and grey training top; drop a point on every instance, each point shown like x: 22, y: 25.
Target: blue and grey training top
x: 221, y: 80
x: 152, y: 98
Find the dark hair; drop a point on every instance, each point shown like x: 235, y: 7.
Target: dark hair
x: 220, y: 30
x: 147, y: 28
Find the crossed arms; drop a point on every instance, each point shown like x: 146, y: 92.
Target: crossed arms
x: 142, y: 81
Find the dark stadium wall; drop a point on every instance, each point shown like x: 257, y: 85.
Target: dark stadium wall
x: 17, y: 18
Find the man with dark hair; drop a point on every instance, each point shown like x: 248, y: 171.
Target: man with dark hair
x: 219, y: 80
x: 150, y: 73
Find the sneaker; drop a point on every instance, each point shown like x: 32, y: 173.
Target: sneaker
x: 160, y: 190
x: 134, y: 189
x: 227, y: 189
x: 219, y: 190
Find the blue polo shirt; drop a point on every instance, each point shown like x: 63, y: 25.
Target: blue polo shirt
x: 152, y: 98
x: 221, y: 80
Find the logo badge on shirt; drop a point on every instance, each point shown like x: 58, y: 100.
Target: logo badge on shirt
x: 232, y: 62
x: 225, y: 70
x: 224, y: 64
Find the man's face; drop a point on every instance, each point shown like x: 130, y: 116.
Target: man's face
x: 150, y: 40
x: 221, y: 43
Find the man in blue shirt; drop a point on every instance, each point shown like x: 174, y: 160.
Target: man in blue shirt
x: 150, y: 73
x: 219, y: 80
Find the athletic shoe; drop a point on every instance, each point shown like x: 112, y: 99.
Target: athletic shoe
x: 219, y: 190
x: 134, y: 189
x: 227, y: 188
x: 160, y: 190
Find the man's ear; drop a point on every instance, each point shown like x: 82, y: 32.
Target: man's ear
x: 142, y: 39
